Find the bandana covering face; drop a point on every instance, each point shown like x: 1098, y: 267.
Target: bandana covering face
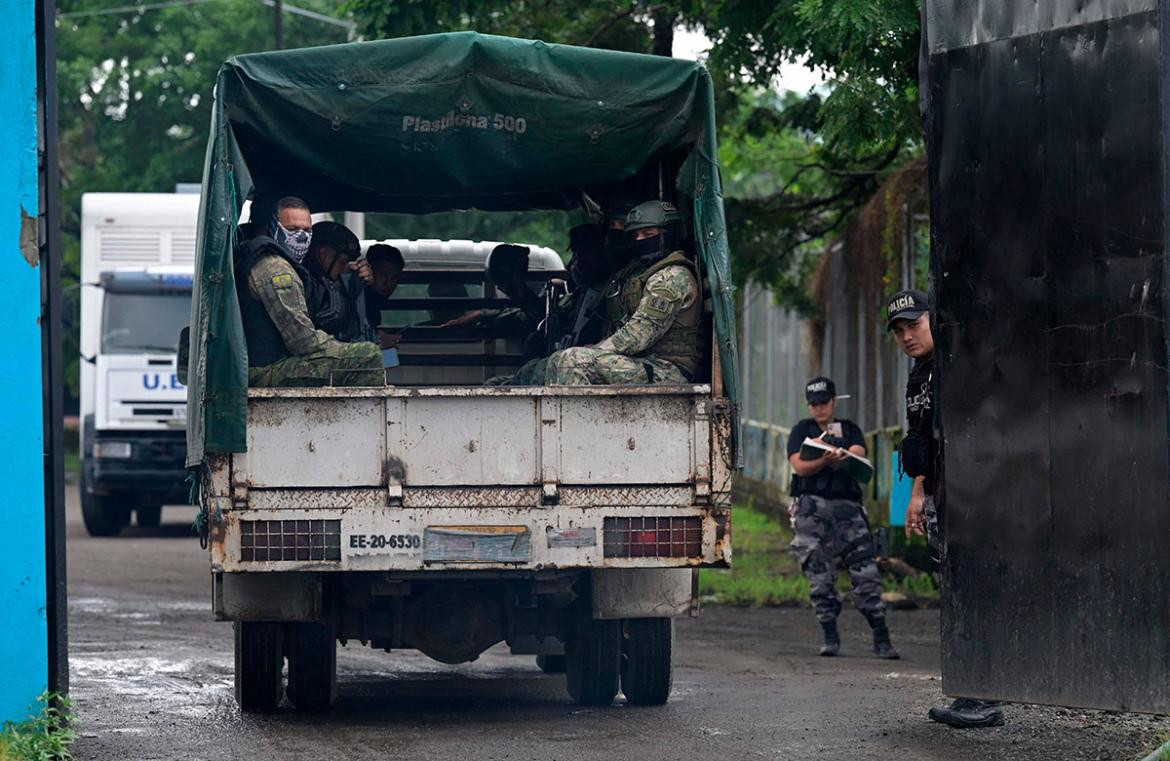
x: 296, y: 242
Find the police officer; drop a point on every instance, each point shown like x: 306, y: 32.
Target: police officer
x: 830, y: 521
x: 285, y: 346
x: 908, y: 318
x: 652, y: 310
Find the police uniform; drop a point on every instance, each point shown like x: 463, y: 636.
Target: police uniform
x: 285, y: 347
x: 830, y: 523
x: 920, y: 427
x: 922, y: 457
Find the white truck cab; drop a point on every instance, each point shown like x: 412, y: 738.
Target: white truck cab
x: 137, y: 260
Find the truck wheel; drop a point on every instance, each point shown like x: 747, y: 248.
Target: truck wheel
x: 592, y: 658
x: 103, y: 515
x: 647, y: 648
x: 149, y: 515
x: 551, y: 664
x: 312, y: 665
x: 259, y: 660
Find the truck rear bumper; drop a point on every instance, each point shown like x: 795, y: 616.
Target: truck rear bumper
x: 459, y: 538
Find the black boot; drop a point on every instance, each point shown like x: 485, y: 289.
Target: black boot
x: 882, y: 647
x: 969, y: 714
x: 832, y: 644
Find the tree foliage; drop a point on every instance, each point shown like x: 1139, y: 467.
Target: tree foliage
x: 135, y: 95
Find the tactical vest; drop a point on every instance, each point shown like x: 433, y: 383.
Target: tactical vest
x: 681, y: 344
x: 827, y: 483
x: 264, y: 342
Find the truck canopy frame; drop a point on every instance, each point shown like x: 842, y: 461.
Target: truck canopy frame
x: 436, y: 123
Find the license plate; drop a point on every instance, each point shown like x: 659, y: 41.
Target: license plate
x: 477, y: 544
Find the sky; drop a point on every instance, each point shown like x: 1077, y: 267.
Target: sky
x: 694, y: 45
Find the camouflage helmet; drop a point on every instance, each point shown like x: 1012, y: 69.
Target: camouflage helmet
x: 654, y: 214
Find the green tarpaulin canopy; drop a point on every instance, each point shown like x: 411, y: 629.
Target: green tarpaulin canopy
x: 436, y: 123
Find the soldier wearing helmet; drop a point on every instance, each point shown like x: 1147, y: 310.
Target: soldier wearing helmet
x: 652, y: 310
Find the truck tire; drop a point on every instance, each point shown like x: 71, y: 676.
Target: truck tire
x: 551, y: 664
x: 259, y: 661
x: 312, y: 665
x: 592, y: 658
x: 149, y: 515
x: 647, y: 649
x: 102, y: 515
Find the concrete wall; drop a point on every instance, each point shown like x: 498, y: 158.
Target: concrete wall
x: 23, y: 618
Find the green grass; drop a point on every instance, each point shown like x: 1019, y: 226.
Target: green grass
x: 72, y: 461
x: 764, y: 572
x: 45, y: 736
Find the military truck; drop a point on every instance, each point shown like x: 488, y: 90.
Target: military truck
x: 434, y: 512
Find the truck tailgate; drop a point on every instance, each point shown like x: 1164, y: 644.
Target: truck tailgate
x: 430, y: 478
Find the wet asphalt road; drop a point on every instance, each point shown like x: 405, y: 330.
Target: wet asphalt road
x: 152, y: 677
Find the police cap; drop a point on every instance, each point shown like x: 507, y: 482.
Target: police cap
x: 906, y: 305
x: 820, y: 390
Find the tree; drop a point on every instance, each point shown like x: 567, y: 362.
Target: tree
x: 135, y: 91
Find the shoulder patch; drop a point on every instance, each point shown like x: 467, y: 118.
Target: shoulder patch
x: 283, y: 280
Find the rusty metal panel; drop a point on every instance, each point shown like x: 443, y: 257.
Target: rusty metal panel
x: 387, y: 539
x: 464, y: 441
x: 642, y: 592
x: 267, y: 596
x: 628, y: 496
x: 315, y: 499
x: 472, y: 497
x: 316, y: 442
x: 626, y: 440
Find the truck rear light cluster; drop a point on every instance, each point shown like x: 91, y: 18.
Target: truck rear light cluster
x: 290, y: 540
x: 656, y: 537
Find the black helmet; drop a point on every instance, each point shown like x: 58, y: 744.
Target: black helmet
x: 654, y: 214
x: 337, y: 236
x: 505, y: 262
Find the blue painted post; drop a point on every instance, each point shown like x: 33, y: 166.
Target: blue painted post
x: 24, y: 630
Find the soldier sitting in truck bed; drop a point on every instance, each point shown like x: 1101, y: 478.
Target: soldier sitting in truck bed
x: 652, y: 307
x: 285, y: 348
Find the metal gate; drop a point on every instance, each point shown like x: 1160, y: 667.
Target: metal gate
x: 1047, y: 134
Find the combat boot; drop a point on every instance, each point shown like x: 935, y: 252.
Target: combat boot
x: 882, y: 647
x: 832, y: 644
x: 968, y: 714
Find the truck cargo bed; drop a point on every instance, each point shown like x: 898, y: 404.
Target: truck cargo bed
x: 379, y: 479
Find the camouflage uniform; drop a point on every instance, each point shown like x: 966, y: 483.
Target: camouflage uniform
x: 825, y: 530
x: 317, y: 358
x: 657, y: 341
x: 531, y: 373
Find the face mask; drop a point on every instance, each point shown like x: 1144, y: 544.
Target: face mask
x: 617, y: 249
x: 296, y: 242
x: 648, y: 247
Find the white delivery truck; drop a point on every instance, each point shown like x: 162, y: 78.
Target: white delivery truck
x: 137, y: 257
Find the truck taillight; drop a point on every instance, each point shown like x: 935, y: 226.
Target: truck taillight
x: 654, y: 537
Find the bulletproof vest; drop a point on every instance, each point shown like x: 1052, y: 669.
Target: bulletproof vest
x: 330, y: 307
x: 681, y: 344
x: 265, y: 346
x: 828, y: 483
